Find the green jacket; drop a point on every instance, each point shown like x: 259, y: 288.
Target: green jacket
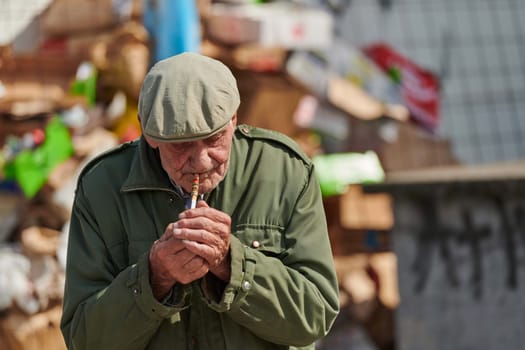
x: 283, y: 289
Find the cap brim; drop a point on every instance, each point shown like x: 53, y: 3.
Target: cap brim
x: 184, y: 138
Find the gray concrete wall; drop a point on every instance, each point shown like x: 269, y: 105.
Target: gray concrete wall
x: 461, y: 263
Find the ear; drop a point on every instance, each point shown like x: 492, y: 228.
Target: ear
x: 234, y: 120
x: 152, y: 143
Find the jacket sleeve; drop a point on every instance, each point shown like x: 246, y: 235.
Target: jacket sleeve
x: 293, y: 299
x: 106, y: 307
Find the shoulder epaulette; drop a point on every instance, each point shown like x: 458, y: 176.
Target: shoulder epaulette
x: 105, y: 154
x: 259, y: 133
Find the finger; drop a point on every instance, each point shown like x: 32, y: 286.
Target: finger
x: 205, y: 211
x: 190, y: 270
x: 194, y: 269
x: 195, y: 264
x: 200, y: 236
x: 203, y: 224
x: 213, y: 255
x: 167, y: 247
x: 202, y: 204
x: 203, y: 250
x: 183, y: 257
x: 167, y: 232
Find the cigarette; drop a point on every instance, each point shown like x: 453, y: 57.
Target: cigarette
x: 194, y: 191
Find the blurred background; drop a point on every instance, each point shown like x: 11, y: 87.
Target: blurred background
x: 412, y: 111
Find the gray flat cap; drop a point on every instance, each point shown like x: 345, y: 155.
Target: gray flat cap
x: 187, y: 97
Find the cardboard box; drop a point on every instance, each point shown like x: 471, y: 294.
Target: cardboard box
x: 280, y: 24
x: 63, y: 17
x: 123, y: 59
x: 351, y: 240
x: 35, y: 84
x: 19, y: 331
x: 10, y: 205
x: 121, y: 55
x: 361, y: 210
x: 268, y: 101
x: 400, y: 146
x: 252, y: 57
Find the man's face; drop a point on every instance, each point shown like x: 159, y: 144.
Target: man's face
x: 208, y: 158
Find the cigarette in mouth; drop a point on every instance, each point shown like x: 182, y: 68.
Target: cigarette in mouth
x: 194, y: 191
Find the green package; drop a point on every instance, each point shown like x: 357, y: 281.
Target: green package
x: 31, y: 168
x: 85, y: 83
x: 336, y: 171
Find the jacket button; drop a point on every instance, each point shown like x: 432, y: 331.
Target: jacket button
x: 245, y: 130
x: 246, y: 285
x: 172, y: 199
x: 256, y: 244
x: 135, y: 291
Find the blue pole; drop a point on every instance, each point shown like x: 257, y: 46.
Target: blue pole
x: 173, y: 25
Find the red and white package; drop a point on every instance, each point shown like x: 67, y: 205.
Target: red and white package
x: 419, y: 87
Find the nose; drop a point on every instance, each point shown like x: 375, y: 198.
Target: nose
x: 200, y: 159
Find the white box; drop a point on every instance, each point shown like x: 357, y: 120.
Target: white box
x: 278, y: 24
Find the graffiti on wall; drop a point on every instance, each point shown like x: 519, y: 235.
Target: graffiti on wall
x: 443, y: 231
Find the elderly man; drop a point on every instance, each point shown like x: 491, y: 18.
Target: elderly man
x: 248, y: 267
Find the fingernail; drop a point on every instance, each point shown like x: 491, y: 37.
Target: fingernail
x: 182, y: 215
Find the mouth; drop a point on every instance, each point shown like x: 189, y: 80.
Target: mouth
x: 204, y: 175
x: 201, y: 176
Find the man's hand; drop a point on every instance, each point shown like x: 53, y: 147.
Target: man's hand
x: 170, y: 262
x: 205, y: 232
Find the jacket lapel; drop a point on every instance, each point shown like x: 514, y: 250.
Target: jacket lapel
x: 146, y: 172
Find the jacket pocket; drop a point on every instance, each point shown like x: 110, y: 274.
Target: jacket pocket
x: 268, y: 239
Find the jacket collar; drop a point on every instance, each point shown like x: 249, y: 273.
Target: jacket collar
x: 146, y: 172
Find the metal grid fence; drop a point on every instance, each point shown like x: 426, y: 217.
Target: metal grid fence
x: 476, y: 47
